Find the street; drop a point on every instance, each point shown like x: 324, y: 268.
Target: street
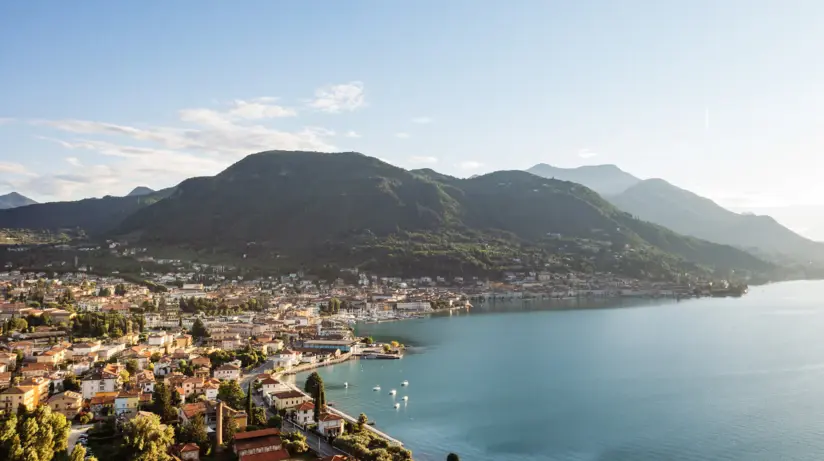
x: 315, y: 442
x: 74, y: 434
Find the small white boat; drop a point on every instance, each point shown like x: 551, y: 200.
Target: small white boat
x: 405, y: 398
x: 345, y: 384
x: 393, y: 392
x: 405, y: 383
x: 397, y: 405
x: 376, y: 388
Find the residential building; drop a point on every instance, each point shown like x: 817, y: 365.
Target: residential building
x: 271, y: 386
x: 287, y: 400
x: 40, y: 386
x: 126, y: 404
x: 305, y: 413
x: 99, y: 381
x: 261, y: 445
x: 67, y: 404
x: 5, y: 380
x: 330, y: 424
x: 227, y: 372
x: 186, y: 451
x: 13, y: 397
x: 33, y: 369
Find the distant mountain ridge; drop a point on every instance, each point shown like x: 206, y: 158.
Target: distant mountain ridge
x: 655, y: 200
x: 604, y: 179
x: 14, y: 200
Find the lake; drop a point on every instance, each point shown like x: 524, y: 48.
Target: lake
x: 708, y: 379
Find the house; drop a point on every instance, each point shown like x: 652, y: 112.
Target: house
x: 202, y: 361
x: 261, y: 445
x: 305, y: 413
x: 288, y: 399
x: 330, y: 424
x: 227, y: 372
x: 271, y: 386
x: 9, y: 359
x: 5, y: 380
x: 186, y: 451
x: 102, y: 404
x: 208, y: 409
x: 67, y: 404
x: 40, y: 385
x: 13, y: 397
x: 53, y: 356
x: 126, y: 404
x: 210, y: 390
x: 163, y: 366
x: 144, y: 380
x: 84, y: 349
x: 32, y: 370
x: 99, y: 381
x: 192, y: 385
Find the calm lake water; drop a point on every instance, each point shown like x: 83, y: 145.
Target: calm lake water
x: 709, y: 379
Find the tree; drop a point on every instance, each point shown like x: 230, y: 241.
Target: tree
x: 362, y: 421
x: 120, y: 289
x: 312, y: 382
x: 231, y: 393
x: 132, y: 367
x: 194, y: 431
x: 79, y: 453
x: 229, y: 428
x: 199, y: 330
x: 452, y: 457
x: 250, y: 406
x: 71, y: 383
x: 146, y: 439
x: 259, y: 416
x: 163, y: 402
x: 275, y: 421
x: 294, y: 442
x: 320, y: 401
x: 104, y: 292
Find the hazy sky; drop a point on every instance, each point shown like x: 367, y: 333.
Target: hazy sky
x: 722, y: 97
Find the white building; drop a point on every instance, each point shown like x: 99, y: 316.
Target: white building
x: 227, y: 372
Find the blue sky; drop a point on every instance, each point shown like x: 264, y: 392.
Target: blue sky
x: 720, y: 97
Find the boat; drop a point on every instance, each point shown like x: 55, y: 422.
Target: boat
x: 405, y: 398
x: 345, y: 384
x: 405, y: 383
x: 393, y: 392
x: 376, y: 388
x: 397, y: 405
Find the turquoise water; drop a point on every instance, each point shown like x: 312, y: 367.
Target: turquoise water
x: 709, y: 379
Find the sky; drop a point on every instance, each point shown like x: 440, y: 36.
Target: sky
x: 724, y: 98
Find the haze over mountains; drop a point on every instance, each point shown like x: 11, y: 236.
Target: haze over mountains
x: 660, y: 202
x: 350, y: 209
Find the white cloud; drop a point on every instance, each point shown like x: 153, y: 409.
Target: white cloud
x: 334, y: 99
x: 402, y: 135
x: 470, y: 165
x: 586, y: 153
x: 422, y: 120
x: 73, y: 161
x: 14, y: 168
x: 352, y: 134
x: 423, y: 160
x: 255, y: 109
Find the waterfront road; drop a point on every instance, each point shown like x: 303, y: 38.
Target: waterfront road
x: 315, y: 442
x: 74, y: 434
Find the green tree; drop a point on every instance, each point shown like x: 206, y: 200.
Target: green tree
x: 104, y: 292
x: 132, y: 367
x: 229, y: 429
x: 194, y: 431
x: 250, y: 406
x: 275, y: 421
x: 452, y: 457
x: 199, y: 330
x: 71, y: 383
x: 295, y: 443
x: 162, y: 398
x: 362, y: 421
x: 120, y: 289
x: 78, y: 454
x: 146, y: 439
x: 312, y: 382
x: 320, y: 401
x: 231, y: 393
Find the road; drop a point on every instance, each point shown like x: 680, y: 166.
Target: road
x: 74, y: 434
x: 316, y: 443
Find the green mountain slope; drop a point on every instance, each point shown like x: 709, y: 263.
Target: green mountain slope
x: 347, y: 208
x: 14, y: 200
x: 658, y: 201
x: 94, y: 215
x: 604, y: 179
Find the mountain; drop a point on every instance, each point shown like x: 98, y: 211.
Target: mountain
x: 140, y: 190
x: 93, y: 215
x: 308, y: 208
x: 660, y: 202
x: 604, y: 179
x: 14, y: 200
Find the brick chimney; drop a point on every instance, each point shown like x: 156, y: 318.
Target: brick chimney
x: 219, y: 430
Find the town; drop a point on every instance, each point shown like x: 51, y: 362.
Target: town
x: 210, y: 361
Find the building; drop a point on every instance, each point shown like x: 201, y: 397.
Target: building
x: 102, y: 404
x: 126, y: 404
x: 288, y: 399
x: 327, y: 345
x: 272, y: 386
x: 13, y: 397
x: 262, y: 445
x: 186, y: 451
x: 54, y: 356
x: 67, y: 404
x: 227, y: 372
x: 305, y: 413
x: 330, y: 424
x: 99, y: 381
x: 32, y: 370
x: 40, y: 386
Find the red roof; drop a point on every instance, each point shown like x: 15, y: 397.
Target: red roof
x: 278, y: 455
x: 306, y: 406
x: 258, y: 433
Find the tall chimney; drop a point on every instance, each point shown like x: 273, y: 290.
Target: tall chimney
x: 219, y: 426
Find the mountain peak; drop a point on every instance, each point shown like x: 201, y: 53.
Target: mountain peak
x: 140, y: 190
x: 606, y: 179
x: 14, y: 200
